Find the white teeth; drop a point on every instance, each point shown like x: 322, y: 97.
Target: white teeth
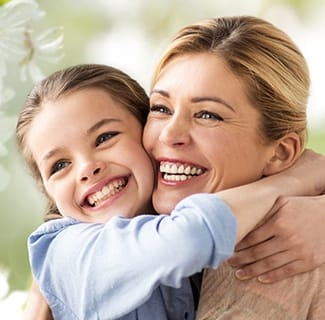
x: 187, y: 170
x: 178, y: 172
x: 173, y: 169
x: 106, y: 192
x: 173, y: 177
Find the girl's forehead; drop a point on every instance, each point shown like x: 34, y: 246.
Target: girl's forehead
x: 86, y: 100
x: 79, y: 109
x: 75, y: 121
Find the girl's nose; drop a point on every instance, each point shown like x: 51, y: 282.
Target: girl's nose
x: 91, y: 170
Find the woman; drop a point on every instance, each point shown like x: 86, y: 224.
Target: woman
x: 223, y: 89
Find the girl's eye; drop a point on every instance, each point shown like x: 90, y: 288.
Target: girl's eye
x: 159, y: 108
x: 59, y: 165
x: 208, y: 115
x: 104, y: 137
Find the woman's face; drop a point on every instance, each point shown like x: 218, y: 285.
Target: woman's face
x: 202, y: 130
x: 88, y: 148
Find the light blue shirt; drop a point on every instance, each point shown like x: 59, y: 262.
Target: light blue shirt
x: 131, y: 268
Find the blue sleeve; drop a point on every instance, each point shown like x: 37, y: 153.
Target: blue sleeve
x: 113, y: 268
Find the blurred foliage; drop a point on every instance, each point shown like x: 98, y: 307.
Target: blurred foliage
x: 316, y: 140
x: 21, y: 204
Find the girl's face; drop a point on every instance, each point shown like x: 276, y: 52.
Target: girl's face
x: 88, y: 149
x: 202, y: 130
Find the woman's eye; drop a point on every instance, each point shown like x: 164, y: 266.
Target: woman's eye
x: 159, y: 108
x: 59, y: 165
x: 208, y: 115
x: 104, y: 137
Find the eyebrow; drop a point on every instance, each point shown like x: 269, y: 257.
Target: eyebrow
x: 196, y: 99
x: 91, y: 130
x: 50, y: 154
x: 101, y: 123
x: 161, y: 92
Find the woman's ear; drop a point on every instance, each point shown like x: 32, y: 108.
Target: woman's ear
x: 285, y: 152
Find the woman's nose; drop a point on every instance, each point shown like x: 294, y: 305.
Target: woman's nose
x: 91, y: 170
x: 176, y: 132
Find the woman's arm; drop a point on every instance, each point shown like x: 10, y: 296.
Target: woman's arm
x: 290, y: 242
x: 36, y: 306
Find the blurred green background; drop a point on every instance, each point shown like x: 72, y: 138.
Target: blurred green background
x: 131, y: 34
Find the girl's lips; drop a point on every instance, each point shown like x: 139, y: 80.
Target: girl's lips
x: 104, y: 191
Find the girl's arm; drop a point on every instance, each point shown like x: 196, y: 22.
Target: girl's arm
x: 249, y: 201
x: 290, y: 242
x: 111, y: 269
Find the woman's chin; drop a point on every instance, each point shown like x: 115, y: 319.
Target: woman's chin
x: 165, y: 203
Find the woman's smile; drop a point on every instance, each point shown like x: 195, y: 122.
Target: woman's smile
x: 172, y: 172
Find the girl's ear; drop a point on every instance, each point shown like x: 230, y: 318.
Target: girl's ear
x: 286, y: 151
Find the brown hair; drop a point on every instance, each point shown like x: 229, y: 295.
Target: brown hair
x: 273, y: 70
x: 119, y: 85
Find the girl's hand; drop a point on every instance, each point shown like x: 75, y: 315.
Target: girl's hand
x: 306, y: 177
x: 291, y: 241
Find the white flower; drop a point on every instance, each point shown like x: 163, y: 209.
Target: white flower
x: 20, y: 42
x: 15, y: 16
x: 45, y: 46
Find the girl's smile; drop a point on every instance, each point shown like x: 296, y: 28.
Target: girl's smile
x: 112, y: 187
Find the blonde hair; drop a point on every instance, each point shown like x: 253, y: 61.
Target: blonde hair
x: 119, y: 85
x: 272, y: 68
